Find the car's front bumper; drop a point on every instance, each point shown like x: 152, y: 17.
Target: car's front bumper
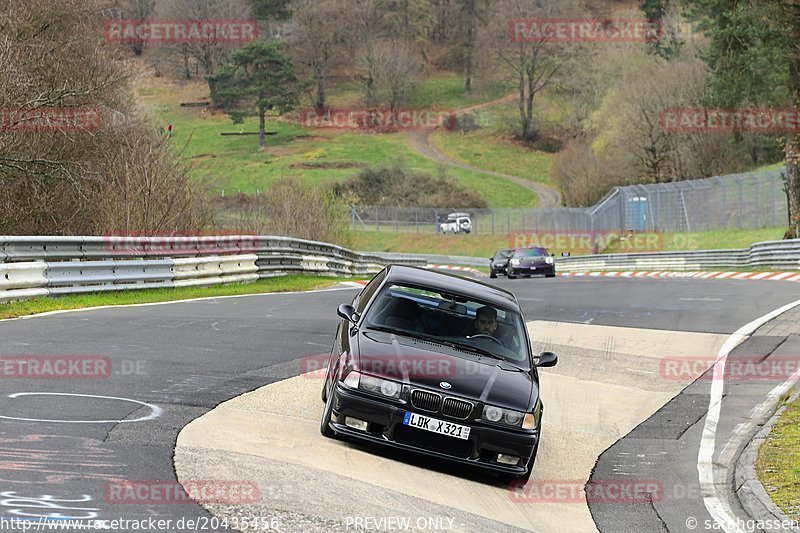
x: 386, y: 427
x: 499, y: 269
x: 532, y: 270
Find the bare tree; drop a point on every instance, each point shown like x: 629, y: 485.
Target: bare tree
x: 138, y: 10
x: 532, y: 65
x: 630, y: 127
x: 398, y: 72
x: 369, y: 28
x: 70, y: 180
x: 209, y: 54
x: 319, y: 40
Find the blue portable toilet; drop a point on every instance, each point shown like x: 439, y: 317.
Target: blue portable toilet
x: 636, y: 214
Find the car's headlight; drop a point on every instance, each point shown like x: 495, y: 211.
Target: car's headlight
x: 531, y: 420
x: 371, y: 384
x: 497, y: 415
x: 549, y: 260
x: 514, y: 262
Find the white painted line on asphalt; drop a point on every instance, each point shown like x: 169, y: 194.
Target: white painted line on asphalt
x: 155, y: 411
x: 715, y: 503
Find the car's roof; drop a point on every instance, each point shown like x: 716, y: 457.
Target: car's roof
x: 451, y: 283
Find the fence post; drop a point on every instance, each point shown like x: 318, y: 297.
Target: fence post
x: 741, y: 202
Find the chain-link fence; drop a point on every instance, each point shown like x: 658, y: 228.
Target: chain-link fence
x: 746, y: 201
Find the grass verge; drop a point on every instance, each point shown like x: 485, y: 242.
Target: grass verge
x: 709, y: 240
x: 778, y: 462
x: 278, y: 284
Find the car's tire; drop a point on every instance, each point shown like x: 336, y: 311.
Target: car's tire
x: 550, y: 275
x: 325, y: 421
x: 512, y: 277
x: 492, y: 274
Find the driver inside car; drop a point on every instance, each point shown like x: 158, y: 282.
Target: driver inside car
x: 485, y: 323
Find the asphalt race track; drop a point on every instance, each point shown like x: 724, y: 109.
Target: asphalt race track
x: 68, y: 443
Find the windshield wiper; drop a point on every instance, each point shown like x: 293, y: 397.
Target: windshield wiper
x: 444, y: 342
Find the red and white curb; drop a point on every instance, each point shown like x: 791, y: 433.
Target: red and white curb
x: 763, y: 276
x: 472, y: 271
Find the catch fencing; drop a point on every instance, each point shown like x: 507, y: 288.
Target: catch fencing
x: 741, y: 201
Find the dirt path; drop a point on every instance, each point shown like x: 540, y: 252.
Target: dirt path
x: 420, y: 142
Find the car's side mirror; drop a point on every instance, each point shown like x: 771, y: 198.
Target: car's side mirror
x: 348, y: 312
x: 547, y: 359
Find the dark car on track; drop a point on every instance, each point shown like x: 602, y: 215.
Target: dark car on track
x: 499, y: 263
x: 531, y: 261
x: 437, y: 364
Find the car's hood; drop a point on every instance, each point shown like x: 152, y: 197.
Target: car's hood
x: 427, y: 364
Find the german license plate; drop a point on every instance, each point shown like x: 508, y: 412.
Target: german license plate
x: 436, y: 426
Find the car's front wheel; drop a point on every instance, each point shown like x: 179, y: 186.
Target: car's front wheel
x: 325, y: 421
x: 492, y: 274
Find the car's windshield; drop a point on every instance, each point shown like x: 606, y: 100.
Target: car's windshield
x: 504, y: 254
x: 531, y: 252
x: 478, y: 328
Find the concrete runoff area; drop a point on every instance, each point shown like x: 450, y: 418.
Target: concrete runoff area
x: 607, y: 382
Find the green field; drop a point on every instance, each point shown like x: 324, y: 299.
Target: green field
x: 485, y: 245
x: 711, y: 240
x: 234, y: 164
x: 484, y: 150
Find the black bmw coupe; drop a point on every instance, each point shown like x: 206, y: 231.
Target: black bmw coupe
x: 440, y: 365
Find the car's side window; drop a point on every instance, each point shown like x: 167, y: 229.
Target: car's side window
x: 366, y: 295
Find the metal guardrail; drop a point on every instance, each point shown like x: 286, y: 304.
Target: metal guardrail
x: 775, y: 255
x: 41, y: 266
x: 778, y: 255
